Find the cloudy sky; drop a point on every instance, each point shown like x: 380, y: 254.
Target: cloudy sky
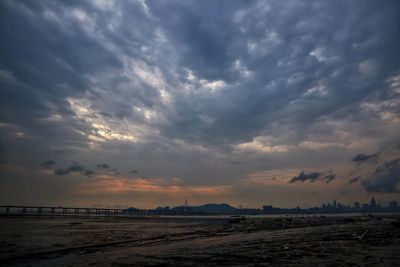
x: 144, y: 103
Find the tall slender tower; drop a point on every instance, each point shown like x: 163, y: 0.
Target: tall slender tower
x: 185, y: 205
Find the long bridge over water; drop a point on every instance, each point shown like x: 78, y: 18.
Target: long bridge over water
x: 74, y: 211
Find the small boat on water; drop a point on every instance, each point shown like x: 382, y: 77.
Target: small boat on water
x: 236, y: 218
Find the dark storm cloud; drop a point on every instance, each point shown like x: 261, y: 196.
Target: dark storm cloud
x: 88, y: 173
x: 302, y: 177
x: 385, y: 178
x: 363, y: 158
x: 48, y: 163
x: 313, y: 176
x: 72, y: 168
x: 103, y: 166
x: 75, y: 168
x: 106, y: 169
x: 354, y: 180
x: 329, y: 176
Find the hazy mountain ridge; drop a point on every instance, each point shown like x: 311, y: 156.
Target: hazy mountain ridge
x: 211, y: 208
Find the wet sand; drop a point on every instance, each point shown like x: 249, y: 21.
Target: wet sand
x: 286, y: 241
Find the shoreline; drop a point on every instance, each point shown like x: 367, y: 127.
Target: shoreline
x: 141, y: 242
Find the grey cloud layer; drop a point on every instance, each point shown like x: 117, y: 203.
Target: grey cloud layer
x: 48, y: 163
x: 362, y: 158
x: 378, y: 172
x: 274, y: 42
x: 191, y: 80
x: 76, y: 168
x: 385, y: 178
x: 313, y: 176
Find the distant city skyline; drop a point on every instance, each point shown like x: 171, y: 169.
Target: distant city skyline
x: 205, y: 209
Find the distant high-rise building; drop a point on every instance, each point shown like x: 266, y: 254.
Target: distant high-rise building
x: 373, y: 203
x: 267, y: 208
x: 357, y: 205
x: 393, y: 205
x: 334, y: 204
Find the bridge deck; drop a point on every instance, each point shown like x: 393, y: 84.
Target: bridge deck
x: 46, y: 210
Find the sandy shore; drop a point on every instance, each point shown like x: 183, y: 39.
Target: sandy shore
x: 286, y: 241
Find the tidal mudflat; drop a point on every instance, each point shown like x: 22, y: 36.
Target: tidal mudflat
x: 287, y: 240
